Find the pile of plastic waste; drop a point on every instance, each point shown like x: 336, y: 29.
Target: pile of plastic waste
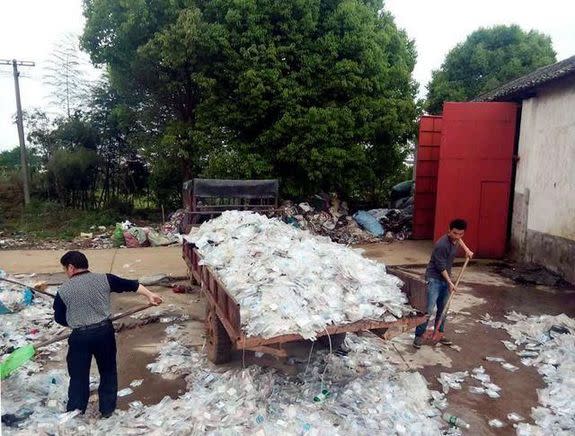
x: 288, y: 281
x: 326, y: 217
x: 357, y: 393
x: 396, y: 223
x: 28, y: 317
x: 547, y: 343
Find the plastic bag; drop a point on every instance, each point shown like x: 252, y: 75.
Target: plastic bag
x: 131, y: 240
x: 369, y: 223
x: 118, y: 236
x: 156, y: 239
x: 140, y: 234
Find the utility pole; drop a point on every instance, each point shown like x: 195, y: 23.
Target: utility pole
x: 20, y: 123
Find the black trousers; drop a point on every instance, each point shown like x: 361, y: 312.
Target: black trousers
x: 99, y: 342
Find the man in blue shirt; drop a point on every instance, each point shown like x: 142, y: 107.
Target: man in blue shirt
x: 438, y: 275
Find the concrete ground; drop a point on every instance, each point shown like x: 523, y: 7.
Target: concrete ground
x: 138, y: 262
x: 127, y: 262
x: 483, y: 291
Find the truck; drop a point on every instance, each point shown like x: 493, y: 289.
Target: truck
x: 224, y: 333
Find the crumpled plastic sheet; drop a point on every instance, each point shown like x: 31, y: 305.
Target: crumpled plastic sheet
x: 368, y: 396
x: 288, y: 281
x: 550, y: 343
x: 452, y: 380
x: 455, y: 379
x: 496, y: 423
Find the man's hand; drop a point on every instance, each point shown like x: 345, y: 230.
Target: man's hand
x: 468, y: 252
x: 40, y: 286
x: 452, y: 287
x: 155, y: 299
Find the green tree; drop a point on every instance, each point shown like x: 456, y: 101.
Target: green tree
x: 316, y: 92
x: 487, y: 59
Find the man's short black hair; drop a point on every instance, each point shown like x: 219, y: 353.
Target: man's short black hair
x: 458, y: 223
x: 76, y: 259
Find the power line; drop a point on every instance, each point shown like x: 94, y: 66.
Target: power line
x: 23, y: 160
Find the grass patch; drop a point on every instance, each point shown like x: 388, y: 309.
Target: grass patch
x: 49, y: 220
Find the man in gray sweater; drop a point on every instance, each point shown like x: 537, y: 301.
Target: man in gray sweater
x: 83, y: 303
x: 438, y: 275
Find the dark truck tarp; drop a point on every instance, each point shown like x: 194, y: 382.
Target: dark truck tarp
x: 232, y: 188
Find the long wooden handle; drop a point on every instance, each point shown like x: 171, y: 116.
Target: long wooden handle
x: 461, y: 272
x: 446, y: 308
x: 48, y: 294
x: 63, y: 336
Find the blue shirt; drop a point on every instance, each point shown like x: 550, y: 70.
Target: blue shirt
x: 442, y: 257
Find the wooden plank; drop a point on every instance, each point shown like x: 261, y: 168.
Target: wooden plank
x: 269, y: 350
x: 225, y: 304
x: 254, y: 341
x: 233, y: 334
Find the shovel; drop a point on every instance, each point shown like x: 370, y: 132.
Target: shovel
x: 437, y: 335
x: 23, y: 354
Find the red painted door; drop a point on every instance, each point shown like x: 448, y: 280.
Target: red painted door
x: 474, y: 176
x: 426, y: 167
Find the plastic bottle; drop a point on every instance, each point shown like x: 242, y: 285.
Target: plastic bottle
x: 454, y: 421
x: 322, y: 396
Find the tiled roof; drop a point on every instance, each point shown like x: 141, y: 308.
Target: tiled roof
x: 526, y: 85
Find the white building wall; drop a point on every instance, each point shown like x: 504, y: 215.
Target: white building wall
x: 543, y: 223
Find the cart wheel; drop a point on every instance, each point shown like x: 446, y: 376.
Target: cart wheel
x: 218, y: 343
x: 336, y: 341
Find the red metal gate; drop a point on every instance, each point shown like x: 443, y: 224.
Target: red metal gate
x: 426, y: 167
x: 475, y: 169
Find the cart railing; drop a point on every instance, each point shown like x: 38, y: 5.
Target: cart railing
x: 228, y: 310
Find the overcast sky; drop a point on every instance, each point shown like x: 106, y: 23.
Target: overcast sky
x: 31, y: 28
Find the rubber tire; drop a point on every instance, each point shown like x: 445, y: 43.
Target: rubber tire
x: 218, y: 343
x: 336, y: 341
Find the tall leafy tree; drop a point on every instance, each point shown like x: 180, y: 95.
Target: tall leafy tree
x: 316, y: 92
x: 487, y: 59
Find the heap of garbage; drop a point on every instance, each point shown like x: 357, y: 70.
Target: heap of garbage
x: 328, y: 216
x: 25, y: 319
x: 288, y: 281
x: 548, y: 343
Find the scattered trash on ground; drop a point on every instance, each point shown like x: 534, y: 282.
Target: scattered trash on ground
x: 365, y: 394
x: 452, y: 380
x: 515, y: 417
x: 301, y: 283
x: 496, y: 423
x: 550, y: 342
x: 531, y: 274
x: 125, y: 234
x: 124, y: 392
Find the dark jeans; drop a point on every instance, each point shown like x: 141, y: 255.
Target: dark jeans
x: 437, y: 294
x: 99, y: 342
